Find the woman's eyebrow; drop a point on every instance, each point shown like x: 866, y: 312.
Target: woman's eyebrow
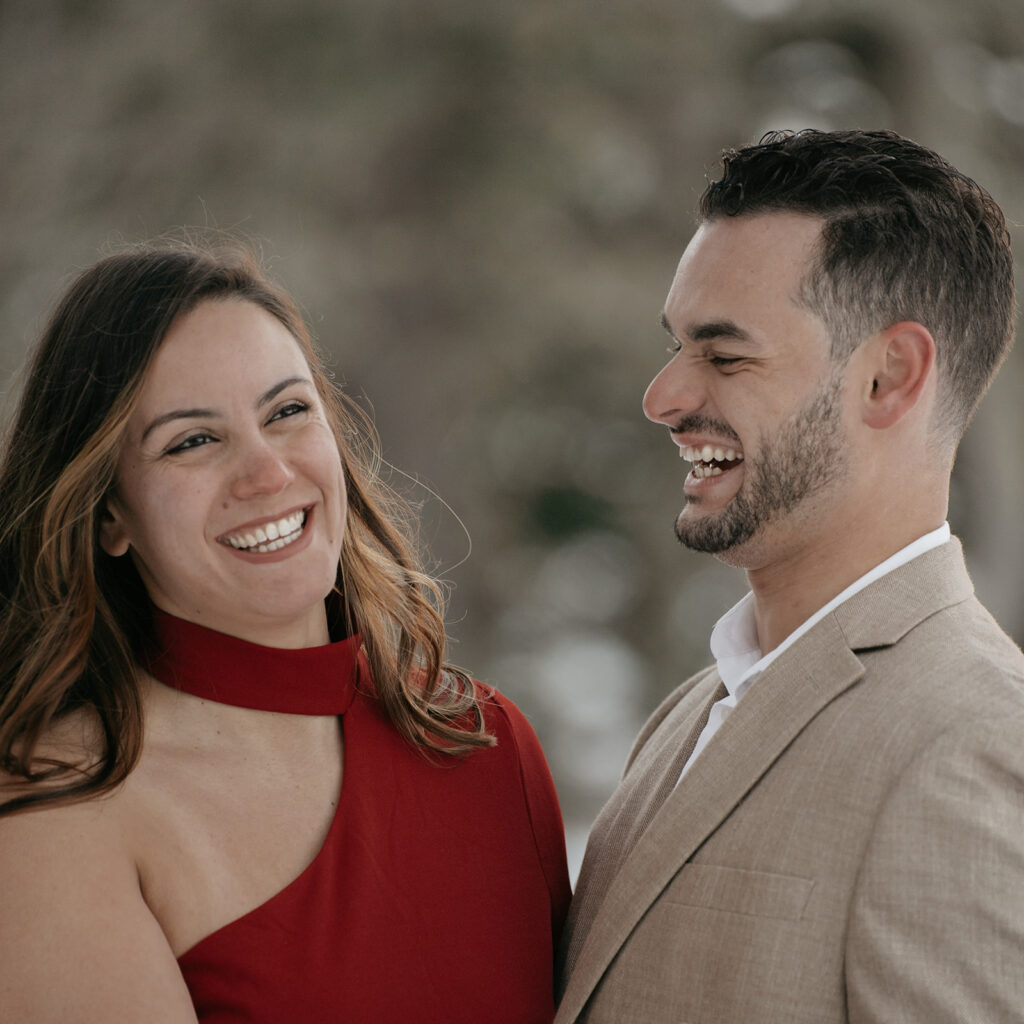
x: 188, y: 414
x: 271, y: 393
x: 177, y: 414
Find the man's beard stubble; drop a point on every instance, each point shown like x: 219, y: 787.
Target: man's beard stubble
x: 805, y: 455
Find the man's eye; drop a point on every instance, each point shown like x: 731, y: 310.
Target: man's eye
x: 193, y: 441
x: 724, y: 360
x: 289, y: 409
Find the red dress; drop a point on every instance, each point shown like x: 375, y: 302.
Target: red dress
x: 440, y: 890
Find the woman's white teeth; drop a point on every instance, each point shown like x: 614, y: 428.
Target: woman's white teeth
x: 270, y: 536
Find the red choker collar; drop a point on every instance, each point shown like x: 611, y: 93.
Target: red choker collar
x: 217, y: 667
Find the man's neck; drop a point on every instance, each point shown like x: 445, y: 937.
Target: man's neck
x: 789, y: 591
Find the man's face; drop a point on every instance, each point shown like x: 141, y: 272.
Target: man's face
x: 750, y: 395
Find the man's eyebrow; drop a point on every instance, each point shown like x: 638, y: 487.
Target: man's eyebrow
x: 710, y: 330
x: 714, y: 329
x: 193, y: 414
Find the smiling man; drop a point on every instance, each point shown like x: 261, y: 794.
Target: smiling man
x: 827, y: 825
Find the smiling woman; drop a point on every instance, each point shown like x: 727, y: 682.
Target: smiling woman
x: 231, y: 501
x: 239, y: 780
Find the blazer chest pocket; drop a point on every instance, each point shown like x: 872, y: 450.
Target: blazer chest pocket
x: 738, y: 891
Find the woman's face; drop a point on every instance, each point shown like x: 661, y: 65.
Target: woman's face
x: 230, y: 494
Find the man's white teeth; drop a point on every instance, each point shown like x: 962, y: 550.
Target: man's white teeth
x: 707, y: 458
x: 709, y: 454
x: 269, y: 536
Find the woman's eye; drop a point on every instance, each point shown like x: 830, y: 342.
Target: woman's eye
x: 289, y: 409
x: 193, y: 441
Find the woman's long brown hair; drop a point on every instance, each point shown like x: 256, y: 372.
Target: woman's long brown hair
x: 75, y: 621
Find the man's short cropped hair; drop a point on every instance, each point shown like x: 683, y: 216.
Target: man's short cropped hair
x: 906, y: 236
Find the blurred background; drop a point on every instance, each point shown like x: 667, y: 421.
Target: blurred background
x: 481, y: 205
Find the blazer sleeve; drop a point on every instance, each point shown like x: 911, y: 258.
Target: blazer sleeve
x: 936, y: 927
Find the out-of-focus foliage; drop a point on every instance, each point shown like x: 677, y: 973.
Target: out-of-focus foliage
x: 481, y: 205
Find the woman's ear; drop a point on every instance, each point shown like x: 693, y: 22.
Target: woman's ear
x: 113, y: 534
x: 900, y: 363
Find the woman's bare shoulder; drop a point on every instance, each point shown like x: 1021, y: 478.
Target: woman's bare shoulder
x: 77, y: 941
x: 73, y: 838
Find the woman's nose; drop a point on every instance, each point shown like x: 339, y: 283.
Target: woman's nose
x: 263, y: 470
x: 674, y: 393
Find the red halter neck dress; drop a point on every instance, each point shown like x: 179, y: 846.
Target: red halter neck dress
x: 441, y: 888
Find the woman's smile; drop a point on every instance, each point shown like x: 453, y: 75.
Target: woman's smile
x: 269, y: 536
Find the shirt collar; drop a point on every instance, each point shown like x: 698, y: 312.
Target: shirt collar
x: 734, y: 638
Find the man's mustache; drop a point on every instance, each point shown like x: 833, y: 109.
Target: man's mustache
x: 704, y: 425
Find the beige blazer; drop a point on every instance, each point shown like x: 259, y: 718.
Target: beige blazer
x: 848, y: 847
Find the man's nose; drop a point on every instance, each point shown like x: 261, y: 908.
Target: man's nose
x: 674, y: 393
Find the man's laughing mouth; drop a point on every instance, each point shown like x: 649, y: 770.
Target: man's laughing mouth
x: 709, y: 460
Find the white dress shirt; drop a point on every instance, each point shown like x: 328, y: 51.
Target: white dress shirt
x: 734, y: 638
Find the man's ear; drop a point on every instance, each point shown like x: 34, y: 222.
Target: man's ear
x: 899, y: 364
x: 113, y: 534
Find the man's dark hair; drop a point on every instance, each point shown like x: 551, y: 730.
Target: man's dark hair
x: 906, y: 237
